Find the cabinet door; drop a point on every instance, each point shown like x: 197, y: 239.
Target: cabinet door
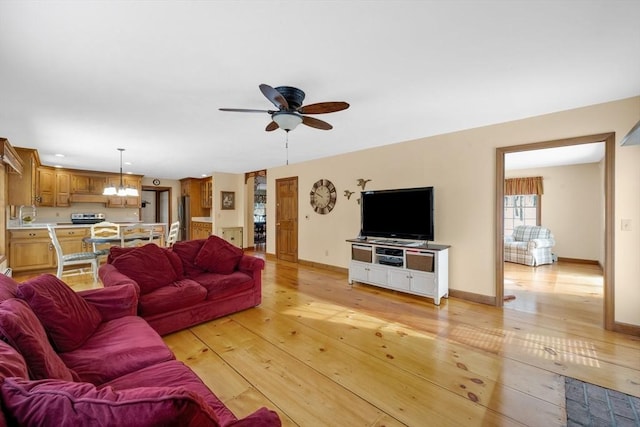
x: 63, y: 188
x: 80, y: 184
x: 359, y: 271
x: 378, y: 275
x: 45, y: 187
x: 400, y: 279
x: 423, y: 283
x: 22, y: 187
x: 30, y: 254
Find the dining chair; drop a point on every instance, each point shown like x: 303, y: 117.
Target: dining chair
x: 79, y: 258
x: 106, y: 230
x: 172, y: 235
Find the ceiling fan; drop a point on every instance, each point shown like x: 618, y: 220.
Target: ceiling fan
x: 291, y: 112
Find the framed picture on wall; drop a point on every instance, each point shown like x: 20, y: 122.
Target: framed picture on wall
x: 228, y: 199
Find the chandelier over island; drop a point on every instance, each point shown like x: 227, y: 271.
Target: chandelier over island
x: 121, y: 191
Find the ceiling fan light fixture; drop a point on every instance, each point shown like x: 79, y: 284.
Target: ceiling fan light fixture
x: 286, y: 120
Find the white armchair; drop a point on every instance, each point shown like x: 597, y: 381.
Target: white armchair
x: 529, y: 245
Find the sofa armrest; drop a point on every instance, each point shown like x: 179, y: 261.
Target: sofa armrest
x: 541, y: 243
x: 110, y: 276
x: 113, y: 302
x: 509, y: 239
x: 249, y: 264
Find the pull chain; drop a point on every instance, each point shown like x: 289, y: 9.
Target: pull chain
x: 286, y: 145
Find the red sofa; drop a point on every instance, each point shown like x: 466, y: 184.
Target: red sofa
x: 86, y: 359
x: 192, y: 282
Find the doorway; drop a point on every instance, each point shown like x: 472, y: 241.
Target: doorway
x: 156, y: 205
x: 609, y: 162
x: 287, y: 219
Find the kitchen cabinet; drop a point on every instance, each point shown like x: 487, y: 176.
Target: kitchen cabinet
x: 45, y: 186
x: 88, y: 184
x: 232, y: 235
x: 63, y: 188
x: 206, y: 190
x: 31, y: 249
x: 21, y: 187
x: 200, y: 230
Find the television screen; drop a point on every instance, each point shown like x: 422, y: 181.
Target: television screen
x: 401, y: 213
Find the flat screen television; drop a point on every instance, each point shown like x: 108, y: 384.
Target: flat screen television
x: 405, y: 213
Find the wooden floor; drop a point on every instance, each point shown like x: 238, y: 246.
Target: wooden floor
x: 322, y: 353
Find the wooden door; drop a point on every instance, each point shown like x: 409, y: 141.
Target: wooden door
x: 287, y: 219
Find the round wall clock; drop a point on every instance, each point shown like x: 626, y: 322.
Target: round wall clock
x: 156, y: 182
x: 323, y: 196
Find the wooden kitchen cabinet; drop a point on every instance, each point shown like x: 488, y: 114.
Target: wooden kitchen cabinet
x: 63, y: 188
x: 206, y: 190
x: 45, y: 186
x: 88, y: 184
x: 21, y: 187
x: 31, y: 249
x: 200, y: 230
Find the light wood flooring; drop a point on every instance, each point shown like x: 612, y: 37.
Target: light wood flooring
x: 323, y: 353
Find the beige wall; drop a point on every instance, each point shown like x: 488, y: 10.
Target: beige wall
x: 229, y: 218
x: 461, y: 167
x: 572, y: 208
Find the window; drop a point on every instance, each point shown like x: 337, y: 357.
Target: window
x: 520, y: 210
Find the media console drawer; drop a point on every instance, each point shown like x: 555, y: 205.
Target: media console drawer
x: 420, y: 261
x: 361, y: 253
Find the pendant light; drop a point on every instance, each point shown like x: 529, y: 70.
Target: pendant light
x: 121, y: 191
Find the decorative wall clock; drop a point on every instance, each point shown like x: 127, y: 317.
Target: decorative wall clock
x: 323, y: 196
x: 156, y: 182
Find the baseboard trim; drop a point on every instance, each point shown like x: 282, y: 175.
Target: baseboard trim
x: 323, y: 266
x: 470, y: 296
x: 626, y: 328
x: 579, y: 261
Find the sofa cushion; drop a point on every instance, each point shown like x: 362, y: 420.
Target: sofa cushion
x: 171, y: 373
x: 8, y: 287
x: 24, y: 332
x: 116, y: 251
x: 13, y: 364
x: 148, y: 266
x: 130, y: 343
x: 187, y: 251
x: 218, y: 256
x: 49, y: 402
x: 179, y: 294
x: 68, y: 319
x: 220, y: 286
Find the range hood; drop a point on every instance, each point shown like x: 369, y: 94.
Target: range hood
x: 633, y: 137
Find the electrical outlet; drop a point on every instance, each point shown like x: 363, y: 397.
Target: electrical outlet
x: 625, y: 225
x: 326, y: 252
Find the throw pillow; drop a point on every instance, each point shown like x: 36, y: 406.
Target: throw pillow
x: 13, y: 364
x: 116, y: 251
x: 68, y: 319
x: 22, y: 330
x: 82, y: 404
x: 218, y: 256
x: 148, y: 266
x: 187, y: 250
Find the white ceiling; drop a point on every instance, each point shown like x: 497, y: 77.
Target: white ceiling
x: 84, y: 78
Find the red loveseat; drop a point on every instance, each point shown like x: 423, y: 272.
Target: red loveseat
x: 85, y: 359
x: 192, y: 282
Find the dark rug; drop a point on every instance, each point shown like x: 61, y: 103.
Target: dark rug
x: 592, y: 405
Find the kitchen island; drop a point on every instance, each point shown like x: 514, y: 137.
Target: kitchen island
x: 30, y: 249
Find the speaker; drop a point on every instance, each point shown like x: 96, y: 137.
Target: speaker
x: 421, y: 262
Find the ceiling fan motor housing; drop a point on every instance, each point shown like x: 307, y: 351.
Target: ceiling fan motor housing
x: 293, y: 95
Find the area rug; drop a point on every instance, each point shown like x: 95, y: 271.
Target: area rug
x: 592, y: 405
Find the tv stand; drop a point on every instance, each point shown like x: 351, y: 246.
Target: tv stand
x: 417, y: 268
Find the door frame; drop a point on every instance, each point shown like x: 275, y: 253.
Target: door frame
x: 609, y: 220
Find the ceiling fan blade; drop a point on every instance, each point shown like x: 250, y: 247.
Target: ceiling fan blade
x: 315, y: 123
x: 245, y: 110
x: 271, y: 126
x: 274, y: 96
x: 323, y: 107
